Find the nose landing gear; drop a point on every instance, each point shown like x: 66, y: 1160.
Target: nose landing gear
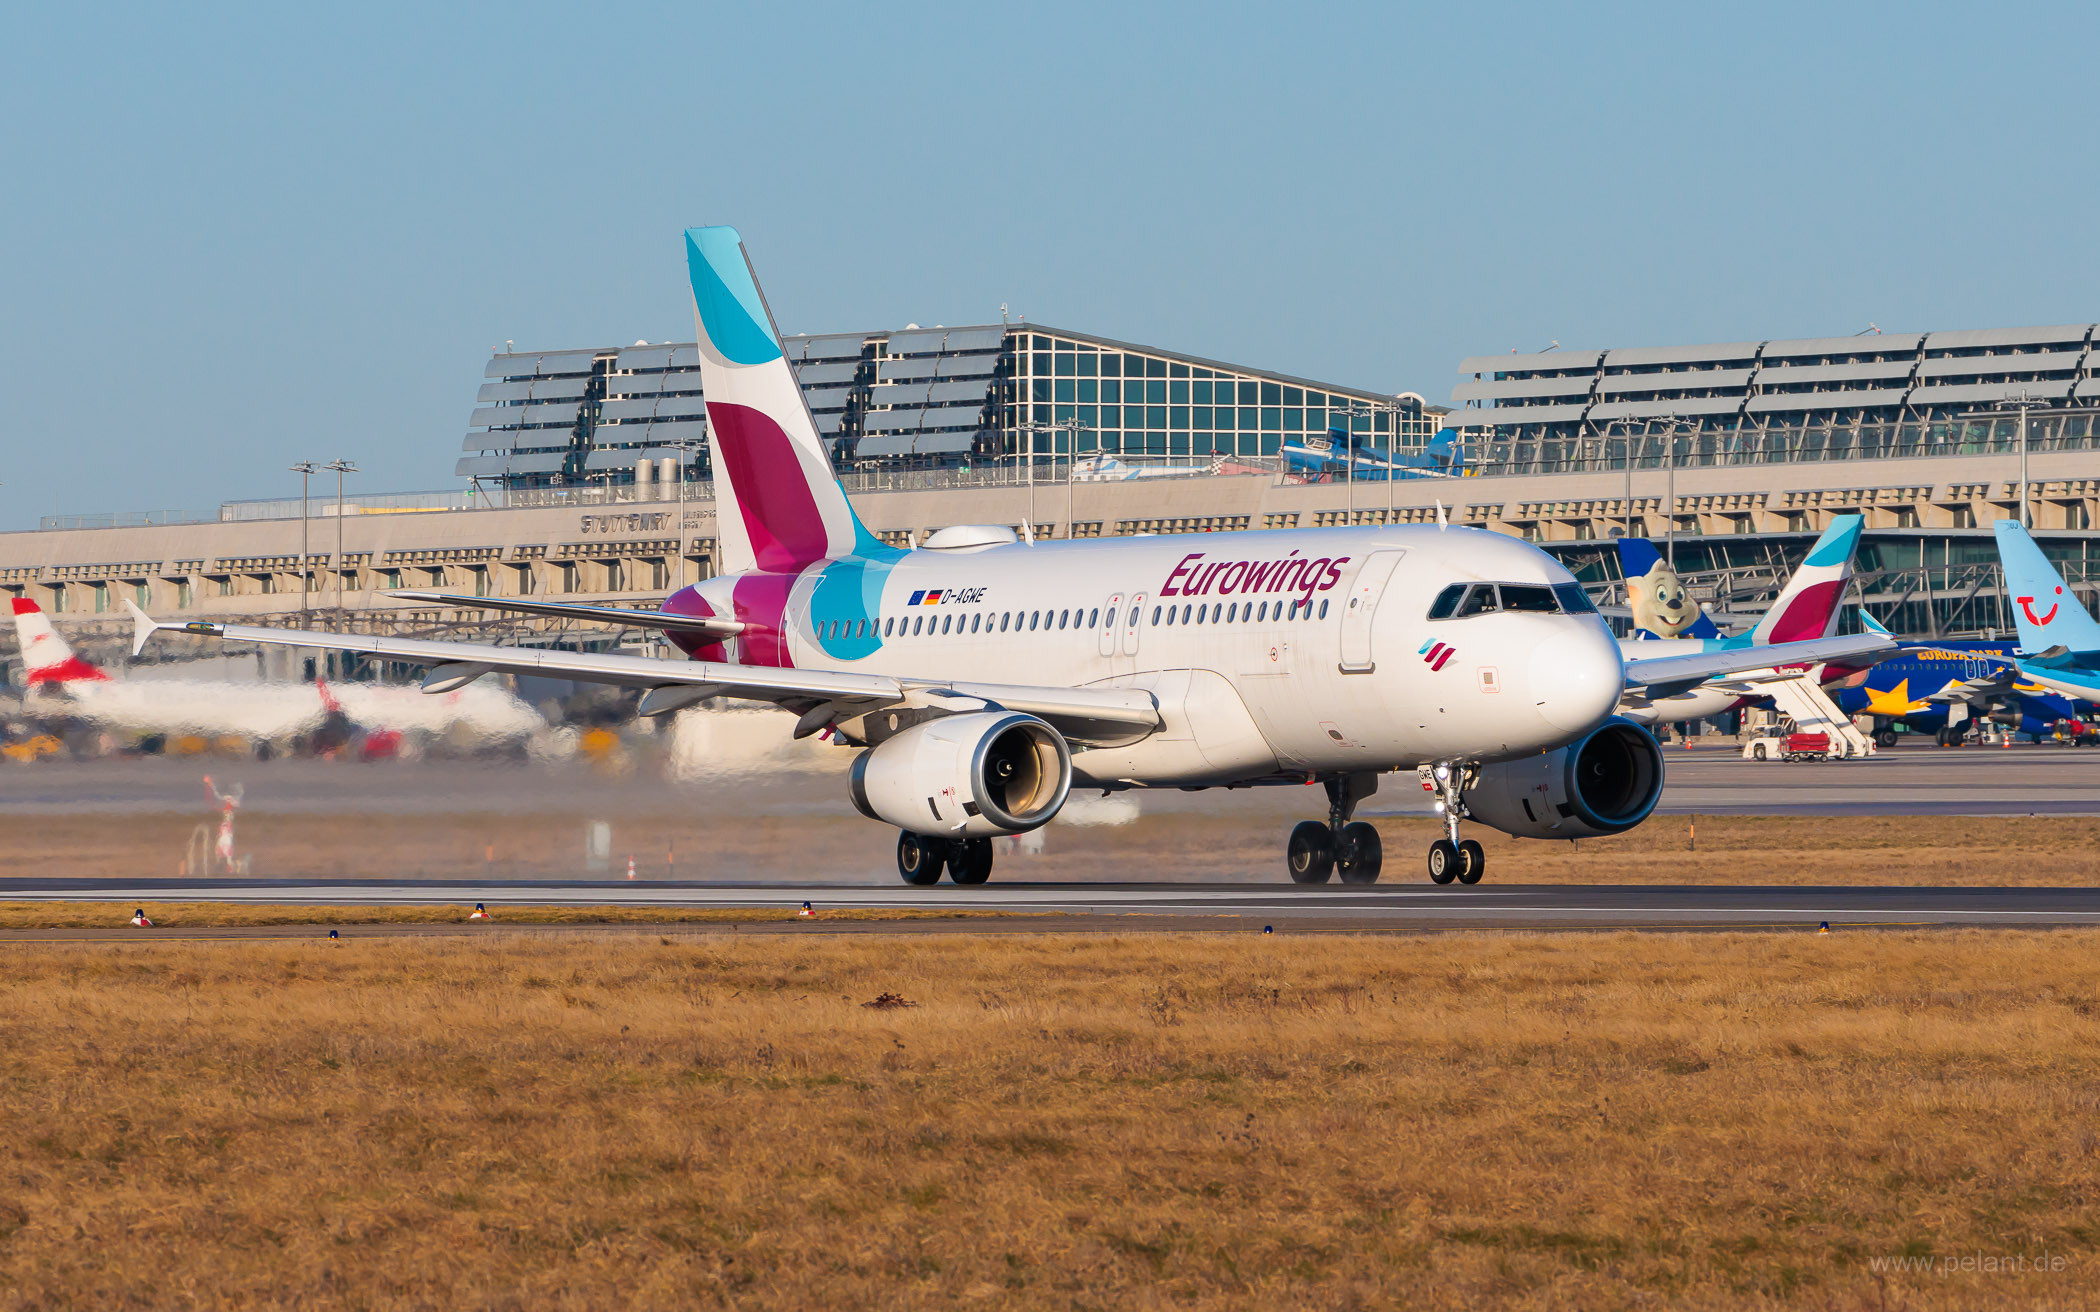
x: 1449, y: 857
x: 1352, y: 848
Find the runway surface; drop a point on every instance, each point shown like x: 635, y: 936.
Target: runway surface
x: 1128, y: 906
x: 1907, y: 780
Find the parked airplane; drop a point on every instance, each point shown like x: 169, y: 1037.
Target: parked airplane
x: 273, y: 713
x: 1941, y: 687
x: 985, y: 677
x: 1326, y: 459
x: 2059, y: 639
x: 1667, y: 617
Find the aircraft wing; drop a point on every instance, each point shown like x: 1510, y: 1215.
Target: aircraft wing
x: 712, y: 626
x: 821, y: 697
x: 1681, y: 673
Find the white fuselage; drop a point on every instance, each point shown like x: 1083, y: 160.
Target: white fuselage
x: 1286, y: 652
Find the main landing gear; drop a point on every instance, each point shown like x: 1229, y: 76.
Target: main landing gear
x: 922, y: 857
x: 1450, y: 858
x: 1351, y: 848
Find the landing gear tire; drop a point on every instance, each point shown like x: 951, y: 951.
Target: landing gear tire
x: 1885, y: 739
x: 1360, y: 854
x: 1473, y: 862
x: 1311, y: 853
x: 1444, y: 861
x: 919, y: 858
x: 971, y: 861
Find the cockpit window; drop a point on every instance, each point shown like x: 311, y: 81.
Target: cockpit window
x: 1534, y: 598
x: 1480, y: 600
x: 1461, y: 600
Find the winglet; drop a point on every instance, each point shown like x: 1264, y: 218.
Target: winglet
x: 1872, y: 625
x: 143, y: 626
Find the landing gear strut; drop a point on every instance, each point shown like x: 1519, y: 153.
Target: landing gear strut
x: 1319, y: 850
x: 922, y: 857
x: 1449, y: 857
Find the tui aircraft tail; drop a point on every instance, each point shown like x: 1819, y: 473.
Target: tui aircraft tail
x: 1808, y: 606
x: 2046, y: 610
x: 779, y: 506
x: 46, y: 659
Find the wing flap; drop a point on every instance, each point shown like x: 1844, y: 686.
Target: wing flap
x: 1088, y: 714
x: 710, y: 625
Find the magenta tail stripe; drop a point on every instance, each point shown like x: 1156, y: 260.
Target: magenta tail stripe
x: 781, y: 515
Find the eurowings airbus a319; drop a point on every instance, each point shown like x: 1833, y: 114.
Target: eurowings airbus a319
x: 984, y: 677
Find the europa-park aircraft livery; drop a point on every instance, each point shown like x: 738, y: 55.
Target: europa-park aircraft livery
x: 981, y: 677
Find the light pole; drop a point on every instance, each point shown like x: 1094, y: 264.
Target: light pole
x: 2023, y: 403
x: 341, y: 467
x: 1361, y: 410
x: 1072, y: 429
x: 304, y: 469
x: 686, y: 448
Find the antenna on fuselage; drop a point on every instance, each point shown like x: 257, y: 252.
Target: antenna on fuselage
x: 1027, y: 533
x: 1443, y: 521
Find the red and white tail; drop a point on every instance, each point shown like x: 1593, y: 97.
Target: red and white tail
x: 778, y: 505
x: 45, y: 655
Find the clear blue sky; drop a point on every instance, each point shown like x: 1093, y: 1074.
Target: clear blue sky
x: 236, y: 238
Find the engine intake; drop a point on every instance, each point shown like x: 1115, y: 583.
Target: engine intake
x: 988, y: 772
x: 1604, y: 783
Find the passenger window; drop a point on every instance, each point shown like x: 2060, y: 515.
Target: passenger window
x: 1155, y: 617
x: 1446, y: 603
x: 1573, y: 599
x: 976, y: 622
x: 1530, y: 598
x: 946, y: 620
x: 1185, y: 613
x: 1111, y: 617
x: 1093, y: 619
x: 1480, y: 600
x: 1232, y: 612
x: 1062, y: 616
x: 889, y: 626
x: 1003, y: 617
x: 1170, y: 616
x: 1323, y: 608
x: 918, y: 625
x: 1032, y: 617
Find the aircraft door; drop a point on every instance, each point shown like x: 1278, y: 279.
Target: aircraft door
x: 1133, y: 623
x: 1111, y: 624
x: 1370, y: 583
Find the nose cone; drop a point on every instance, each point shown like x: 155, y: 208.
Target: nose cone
x: 1576, y: 677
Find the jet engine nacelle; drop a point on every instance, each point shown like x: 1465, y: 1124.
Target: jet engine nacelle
x: 965, y: 776
x: 1604, y: 783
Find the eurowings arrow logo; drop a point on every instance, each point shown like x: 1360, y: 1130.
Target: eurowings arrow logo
x: 2039, y: 621
x: 1434, y: 655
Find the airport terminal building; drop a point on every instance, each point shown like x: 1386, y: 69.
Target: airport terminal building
x: 1734, y: 455
x: 910, y: 398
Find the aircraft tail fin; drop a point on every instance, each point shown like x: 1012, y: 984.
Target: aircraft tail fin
x: 779, y: 506
x: 1645, y: 571
x: 46, y: 659
x: 1808, y: 606
x: 2047, y: 611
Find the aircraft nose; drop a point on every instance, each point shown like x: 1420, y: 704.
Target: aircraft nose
x: 1576, y: 677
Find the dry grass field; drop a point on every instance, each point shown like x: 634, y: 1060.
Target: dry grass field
x: 211, y: 915
x: 1458, y: 1121
x: 1169, y: 845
